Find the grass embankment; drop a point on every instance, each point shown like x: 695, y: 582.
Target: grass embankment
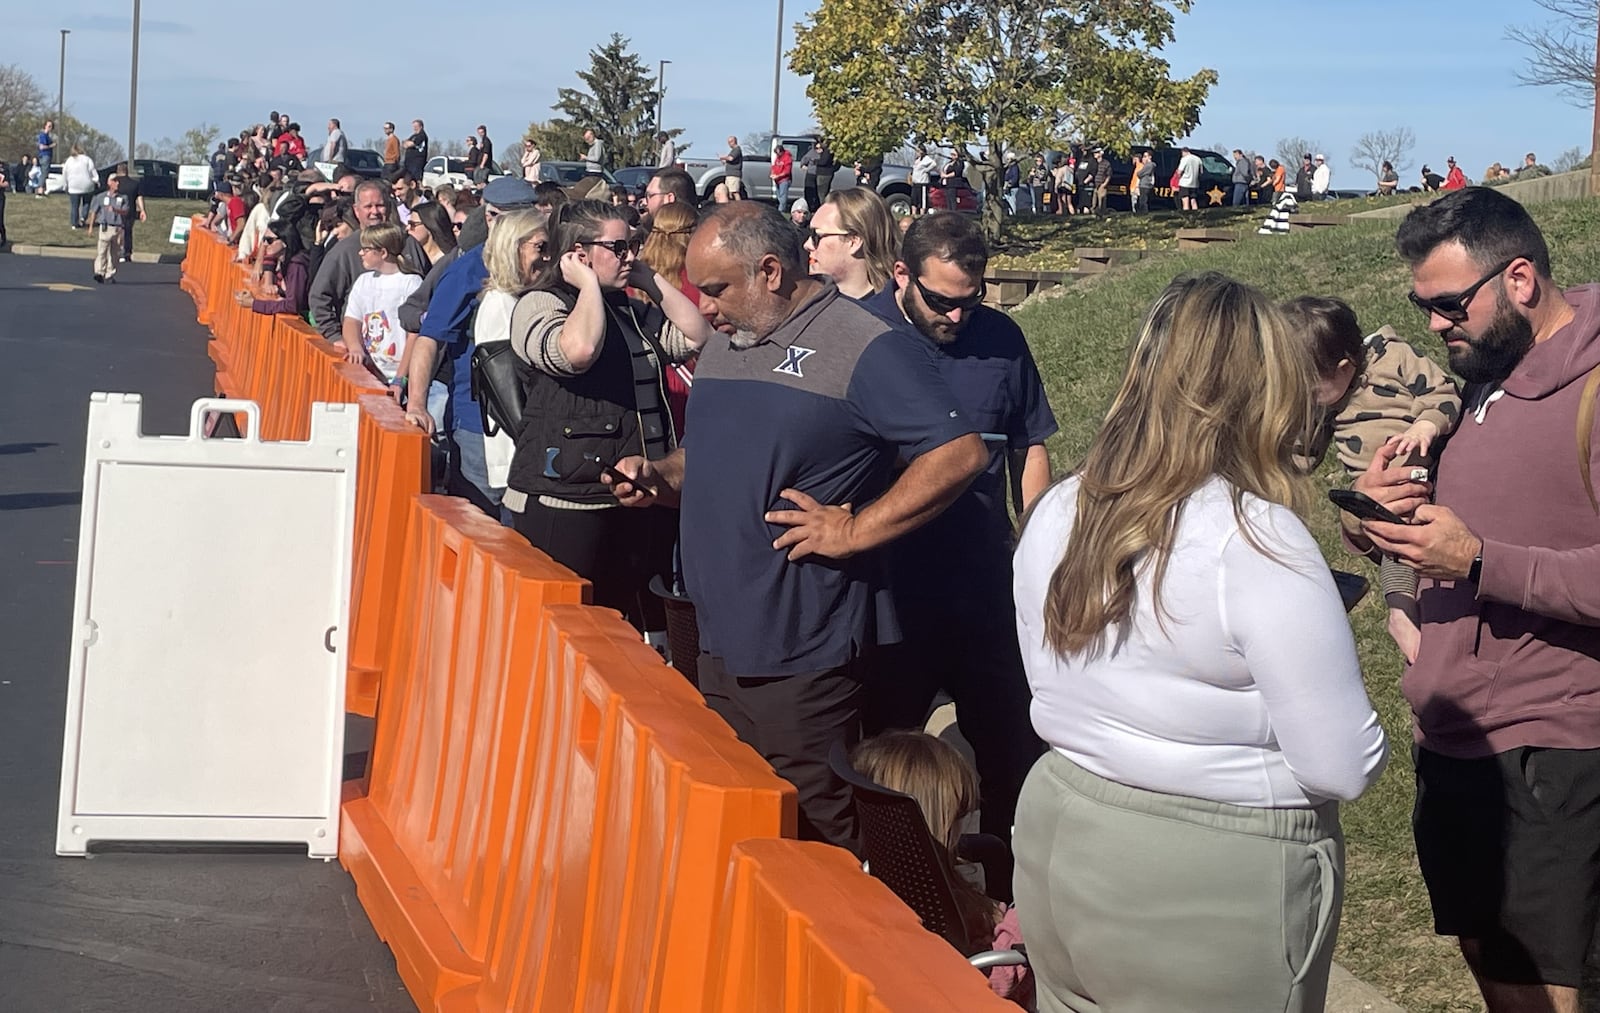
x: 31, y: 221
x: 1080, y: 340
x: 1046, y: 243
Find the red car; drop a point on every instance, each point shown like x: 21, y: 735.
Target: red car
x: 966, y: 198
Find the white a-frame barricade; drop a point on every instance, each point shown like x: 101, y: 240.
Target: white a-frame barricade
x: 205, y: 699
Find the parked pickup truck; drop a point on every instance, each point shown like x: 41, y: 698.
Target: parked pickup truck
x: 894, y: 184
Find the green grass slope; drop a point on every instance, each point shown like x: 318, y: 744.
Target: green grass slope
x: 1080, y: 339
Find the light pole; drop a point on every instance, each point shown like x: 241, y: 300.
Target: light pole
x: 133, y: 89
x: 777, y: 70
x: 61, y: 84
x: 661, y: 93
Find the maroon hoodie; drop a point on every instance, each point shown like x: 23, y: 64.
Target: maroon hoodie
x: 1515, y: 661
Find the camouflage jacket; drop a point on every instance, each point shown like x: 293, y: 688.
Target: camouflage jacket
x: 1397, y: 386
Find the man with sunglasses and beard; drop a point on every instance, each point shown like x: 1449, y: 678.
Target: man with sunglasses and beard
x: 1506, y: 686
x: 952, y: 577
x: 802, y: 406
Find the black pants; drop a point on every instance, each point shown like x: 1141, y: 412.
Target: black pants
x: 127, y: 234
x: 1509, y: 846
x: 793, y: 722
x: 975, y: 659
x: 3, y: 239
x: 824, y: 186
x: 609, y: 548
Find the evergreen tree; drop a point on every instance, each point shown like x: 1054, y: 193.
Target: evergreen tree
x: 619, y: 106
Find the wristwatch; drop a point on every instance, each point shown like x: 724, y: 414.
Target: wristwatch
x: 1475, y: 571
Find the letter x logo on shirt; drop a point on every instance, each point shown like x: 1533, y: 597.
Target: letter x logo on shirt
x: 792, y: 359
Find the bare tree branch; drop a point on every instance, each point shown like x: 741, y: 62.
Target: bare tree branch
x: 1561, y: 53
x: 1376, y: 147
x: 1291, y: 149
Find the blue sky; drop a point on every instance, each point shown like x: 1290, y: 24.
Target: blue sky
x: 1327, y: 71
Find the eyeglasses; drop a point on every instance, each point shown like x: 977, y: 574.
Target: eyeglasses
x: 618, y: 247
x: 943, y: 304
x: 1454, y: 307
x: 538, y: 245
x: 816, y: 238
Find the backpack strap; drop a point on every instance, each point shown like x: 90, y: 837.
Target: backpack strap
x: 1585, y: 431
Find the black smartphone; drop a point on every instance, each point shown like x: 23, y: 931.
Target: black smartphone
x: 1352, y: 588
x: 1359, y: 504
x: 618, y: 478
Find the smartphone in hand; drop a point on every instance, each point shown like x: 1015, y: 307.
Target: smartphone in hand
x: 618, y: 478
x: 1359, y: 504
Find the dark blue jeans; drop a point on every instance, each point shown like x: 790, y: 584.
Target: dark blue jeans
x: 80, y: 208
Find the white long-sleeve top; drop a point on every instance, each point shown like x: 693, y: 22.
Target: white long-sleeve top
x: 1252, y: 693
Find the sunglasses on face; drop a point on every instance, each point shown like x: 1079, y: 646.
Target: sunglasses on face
x: 816, y: 237
x: 618, y: 247
x: 1454, y: 307
x: 942, y: 304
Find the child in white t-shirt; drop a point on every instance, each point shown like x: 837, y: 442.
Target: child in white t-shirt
x: 372, y: 332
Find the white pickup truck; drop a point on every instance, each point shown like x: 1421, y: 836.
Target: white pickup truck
x: 894, y: 183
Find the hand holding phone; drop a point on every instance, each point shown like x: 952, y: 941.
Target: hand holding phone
x: 1359, y: 504
x: 618, y: 478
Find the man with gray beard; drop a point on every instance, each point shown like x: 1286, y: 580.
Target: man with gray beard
x: 799, y: 415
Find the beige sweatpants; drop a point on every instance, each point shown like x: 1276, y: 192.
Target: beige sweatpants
x: 1133, y: 901
x: 107, y: 248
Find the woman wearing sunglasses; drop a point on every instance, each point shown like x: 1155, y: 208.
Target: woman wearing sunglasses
x: 430, y: 226
x: 595, y: 394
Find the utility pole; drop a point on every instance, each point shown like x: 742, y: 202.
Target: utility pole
x: 133, y: 90
x: 61, y: 84
x: 777, y: 70
x: 661, y: 93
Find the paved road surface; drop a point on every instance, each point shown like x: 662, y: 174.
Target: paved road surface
x: 128, y: 930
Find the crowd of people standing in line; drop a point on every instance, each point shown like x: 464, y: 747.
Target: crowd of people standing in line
x: 1156, y: 673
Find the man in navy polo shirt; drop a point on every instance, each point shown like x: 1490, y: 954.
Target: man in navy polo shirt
x: 796, y: 423
x: 952, y: 577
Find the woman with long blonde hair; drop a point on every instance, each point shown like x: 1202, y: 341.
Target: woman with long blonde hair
x: 855, y: 240
x: 1178, y: 846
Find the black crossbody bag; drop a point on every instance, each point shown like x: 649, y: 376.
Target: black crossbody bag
x: 497, y: 388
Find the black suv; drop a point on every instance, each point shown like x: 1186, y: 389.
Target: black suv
x: 1216, y: 178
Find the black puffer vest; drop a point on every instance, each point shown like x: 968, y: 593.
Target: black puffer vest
x: 571, y: 425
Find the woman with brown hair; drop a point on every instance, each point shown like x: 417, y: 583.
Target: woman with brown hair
x: 593, y: 358
x: 665, y: 249
x: 1178, y: 846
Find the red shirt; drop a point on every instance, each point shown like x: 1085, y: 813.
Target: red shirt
x: 783, y: 166
x: 235, y: 213
x: 292, y: 144
x: 1456, y: 179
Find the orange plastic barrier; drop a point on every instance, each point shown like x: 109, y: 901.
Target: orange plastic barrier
x: 285, y: 366
x: 804, y: 930
x: 550, y: 812
x: 550, y: 807
x: 393, y: 470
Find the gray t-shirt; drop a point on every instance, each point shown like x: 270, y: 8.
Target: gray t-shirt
x: 594, y: 156
x: 735, y: 162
